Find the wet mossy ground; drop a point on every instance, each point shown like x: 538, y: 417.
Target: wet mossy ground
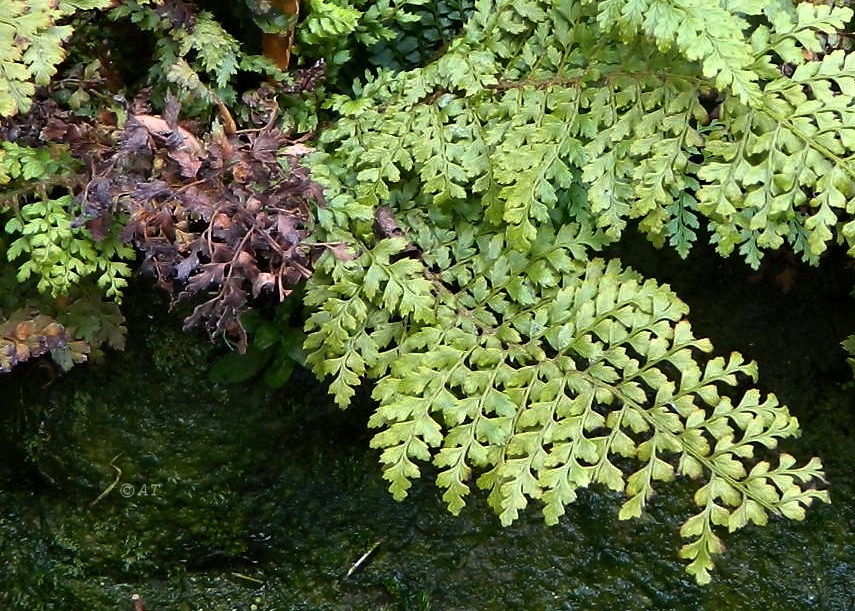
x: 241, y: 498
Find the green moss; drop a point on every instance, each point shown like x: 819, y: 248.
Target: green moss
x: 268, y: 500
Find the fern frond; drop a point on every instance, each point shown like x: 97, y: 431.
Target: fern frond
x: 784, y: 171
x: 350, y: 330
x: 703, y: 31
x: 517, y: 121
x: 537, y: 375
x: 31, y: 47
x: 25, y: 25
x: 527, y: 367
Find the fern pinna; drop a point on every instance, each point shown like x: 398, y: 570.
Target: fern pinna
x: 505, y: 352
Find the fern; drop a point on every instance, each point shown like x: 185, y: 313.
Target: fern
x: 31, y: 46
x: 542, y: 375
x: 344, y: 32
x: 627, y: 124
x: 504, y: 353
x: 58, y: 252
x: 194, y: 52
x: 417, y: 42
x: 60, y: 255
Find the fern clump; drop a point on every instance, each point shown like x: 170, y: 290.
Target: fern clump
x: 476, y: 190
x: 59, y: 252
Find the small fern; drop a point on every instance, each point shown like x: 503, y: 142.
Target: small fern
x: 31, y: 46
x: 59, y: 253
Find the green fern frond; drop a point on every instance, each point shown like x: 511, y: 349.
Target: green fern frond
x: 784, y: 172
x: 59, y: 254
x: 526, y: 118
x: 27, y: 31
x: 519, y: 362
x: 534, y: 385
x: 351, y: 330
x: 328, y: 19
x: 31, y: 47
x: 702, y: 31
x: 197, y: 59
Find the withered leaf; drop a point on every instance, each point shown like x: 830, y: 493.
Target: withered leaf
x: 245, y: 263
x: 176, y: 137
x: 188, y: 161
x: 154, y: 190
x: 297, y: 150
x: 222, y: 253
x: 55, y: 130
x: 26, y: 335
x: 135, y: 140
x: 286, y: 226
x: 187, y: 266
x: 234, y: 296
x: 199, y: 201
x: 261, y: 282
x: 22, y: 352
x: 241, y: 172
x: 164, y: 221
x: 141, y: 104
x: 171, y: 109
x: 386, y: 224
x: 265, y: 145
x: 208, y: 274
x: 98, y: 227
x: 218, y: 217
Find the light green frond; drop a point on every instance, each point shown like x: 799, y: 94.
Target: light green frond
x: 784, y: 171
x: 702, y: 31
x: 505, y: 355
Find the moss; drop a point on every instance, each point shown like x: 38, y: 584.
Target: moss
x: 267, y: 500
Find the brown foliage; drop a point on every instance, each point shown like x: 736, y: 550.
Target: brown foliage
x: 27, y: 335
x: 220, y: 217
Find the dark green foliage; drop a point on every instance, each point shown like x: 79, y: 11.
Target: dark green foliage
x: 276, y: 346
x: 417, y: 42
x: 341, y: 32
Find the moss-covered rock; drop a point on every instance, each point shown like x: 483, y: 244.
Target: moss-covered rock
x: 245, y: 499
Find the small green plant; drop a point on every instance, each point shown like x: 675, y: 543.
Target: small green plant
x: 60, y: 255
x: 31, y: 46
x: 275, y: 349
x: 56, y: 251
